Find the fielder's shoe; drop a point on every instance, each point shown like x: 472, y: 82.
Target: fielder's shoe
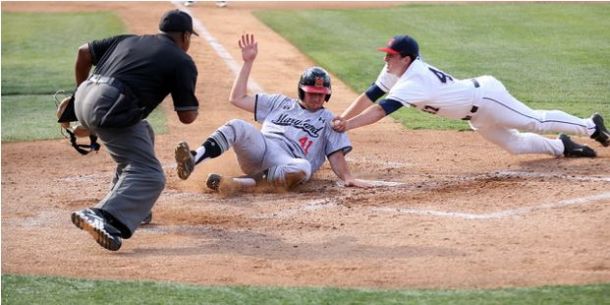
x: 572, y: 149
x: 104, y: 234
x: 601, y: 134
x: 185, y: 163
x: 146, y: 220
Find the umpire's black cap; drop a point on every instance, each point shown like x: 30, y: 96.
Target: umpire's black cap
x: 404, y: 45
x: 176, y: 21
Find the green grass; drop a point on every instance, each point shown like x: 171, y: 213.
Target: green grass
x: 38, y: 56
x: 550, y: 56
x: 53, y: 290
x: 32, y: 117
x: 39, y: 50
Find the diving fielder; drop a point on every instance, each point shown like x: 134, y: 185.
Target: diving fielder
x: 483, y: 101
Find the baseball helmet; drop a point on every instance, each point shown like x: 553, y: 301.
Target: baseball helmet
x: 315, y: 80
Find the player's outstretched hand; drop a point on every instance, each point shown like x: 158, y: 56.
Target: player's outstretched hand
x: 339, y: 124
x: 248, y: 46
x: 357, y: 183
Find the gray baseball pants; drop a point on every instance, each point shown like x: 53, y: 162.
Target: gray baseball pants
x: 256, y: 153
x: 139, y: 178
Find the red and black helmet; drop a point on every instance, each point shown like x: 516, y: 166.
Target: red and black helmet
x: 315, y: 80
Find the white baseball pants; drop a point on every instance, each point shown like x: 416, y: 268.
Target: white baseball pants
x: 501, y: 117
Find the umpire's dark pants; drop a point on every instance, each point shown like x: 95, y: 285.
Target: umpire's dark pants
x: 139, y: 178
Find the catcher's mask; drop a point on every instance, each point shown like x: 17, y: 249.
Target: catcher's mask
x: 315, y: 80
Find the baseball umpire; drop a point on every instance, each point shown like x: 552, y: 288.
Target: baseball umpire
x: 133, y: 74
x: 483, y: 101
x: 294, y: 142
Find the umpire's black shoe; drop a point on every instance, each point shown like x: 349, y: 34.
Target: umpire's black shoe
x: 104, y: 234
x: 601, y: 134
x: 185, y: 162
x: 572, y: 149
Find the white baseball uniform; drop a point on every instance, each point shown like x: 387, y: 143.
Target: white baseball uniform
x: 291, y: 139
x: 485, y: 102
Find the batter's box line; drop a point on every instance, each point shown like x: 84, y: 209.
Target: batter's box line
x: 499, y: 214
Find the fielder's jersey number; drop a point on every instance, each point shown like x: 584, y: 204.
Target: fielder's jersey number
x: 443, y: 77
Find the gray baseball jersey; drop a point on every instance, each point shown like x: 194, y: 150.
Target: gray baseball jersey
x: 305, y: 134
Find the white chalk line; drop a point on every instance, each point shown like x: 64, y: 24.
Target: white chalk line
x: 218, y: 48
x: 551, y: 175
x: 498, y: 214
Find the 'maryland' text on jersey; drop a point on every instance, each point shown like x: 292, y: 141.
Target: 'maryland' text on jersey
x: 285, y: 120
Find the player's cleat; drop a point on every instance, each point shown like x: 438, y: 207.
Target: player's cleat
x: 572, y: 149
x: 601, y: 134
x: 185, y: 163
x: 146, y: 220
x: 224, y: 185
x: 213, y: 182
x: 104, y: 234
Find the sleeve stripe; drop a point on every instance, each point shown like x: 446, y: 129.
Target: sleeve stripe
x: 390, y: 105
x: 345, y: 149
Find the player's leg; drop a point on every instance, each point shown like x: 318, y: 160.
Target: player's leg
x: 516, y: 143
x: 280, y: 177
x: 276, y: 169
x: 247, y: 141
x: 290, y: 174
x: 507, y: 111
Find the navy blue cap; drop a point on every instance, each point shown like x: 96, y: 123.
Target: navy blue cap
x: 403, y: 45
x: 176, y: 21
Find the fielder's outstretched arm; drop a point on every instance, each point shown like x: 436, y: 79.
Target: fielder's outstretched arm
x: 339, y: 165
x: 239, y: 92
x: 357, y: 106
x: 371, y: 115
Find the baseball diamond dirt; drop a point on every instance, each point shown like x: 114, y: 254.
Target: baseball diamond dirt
x: 456, y: 211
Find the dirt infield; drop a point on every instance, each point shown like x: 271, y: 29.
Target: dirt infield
x: 465, y: 214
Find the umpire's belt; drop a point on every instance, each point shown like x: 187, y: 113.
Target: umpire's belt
x: 116, y: 108
x: 111, y: 81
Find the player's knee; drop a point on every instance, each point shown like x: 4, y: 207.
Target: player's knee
x: 293, y: 179
x: 236, y: 123
x: 290, y: 175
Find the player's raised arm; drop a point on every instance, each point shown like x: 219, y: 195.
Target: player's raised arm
x: 239, y: 92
